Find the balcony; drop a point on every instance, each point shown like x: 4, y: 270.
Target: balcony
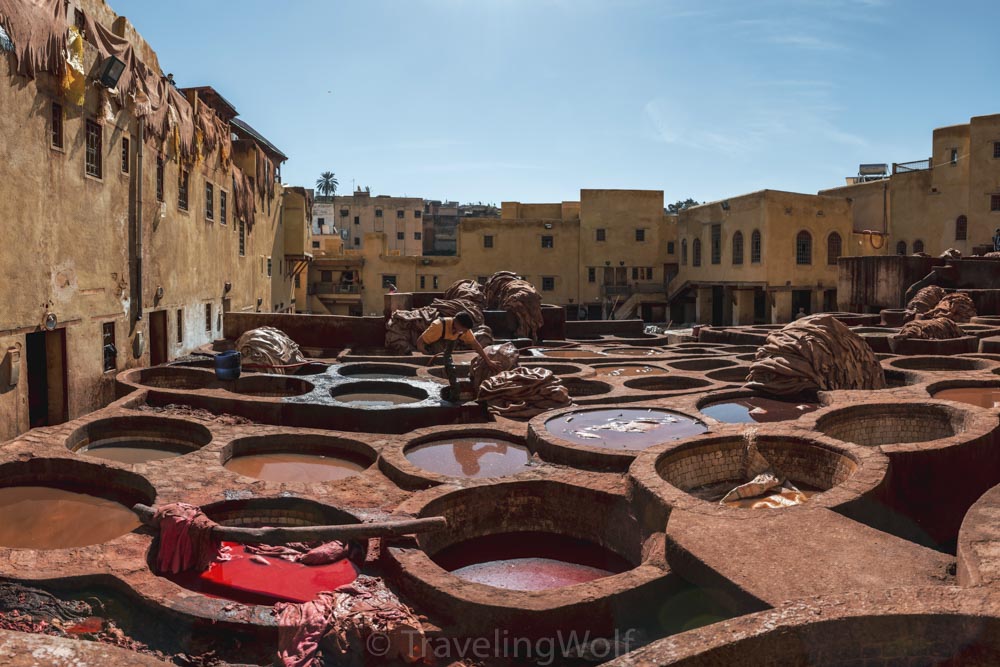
x: 916, y: 165
x: 334, y: 288
x: 628, y: 290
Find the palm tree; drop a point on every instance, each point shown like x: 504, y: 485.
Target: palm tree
x: 327, y: 184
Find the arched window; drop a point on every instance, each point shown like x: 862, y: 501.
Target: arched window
x: 755, y: 247
x: 804, y: 248
x: 901, y: 248
x: 961, y: 228
x: 738, y: 248
x: 918, y: 246
x: 684, y: 252
x: 834, y: 247
x: 696, y: 253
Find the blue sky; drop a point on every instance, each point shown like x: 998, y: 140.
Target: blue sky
x: 532, y: 100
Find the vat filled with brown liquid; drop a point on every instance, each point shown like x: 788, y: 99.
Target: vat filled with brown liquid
x: 42, y: 517
x: 757, y: 409
x: 529, y: 561
x: 470, y: 457
x: 984, y: 397
x: 292, y: 467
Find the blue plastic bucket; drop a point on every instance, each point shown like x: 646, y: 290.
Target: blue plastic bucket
x: 227, y: 365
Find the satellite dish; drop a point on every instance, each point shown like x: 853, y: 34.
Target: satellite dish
x: 50, y: 321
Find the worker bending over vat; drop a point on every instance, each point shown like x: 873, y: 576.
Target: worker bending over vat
x: 441, y: 337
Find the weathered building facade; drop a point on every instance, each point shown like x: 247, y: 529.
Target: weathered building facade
x: 129, y: 233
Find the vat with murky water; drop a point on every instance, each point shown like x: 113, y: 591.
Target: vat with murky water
x: 470, y: 457
x: 757, y: 409
x: 43, y: 517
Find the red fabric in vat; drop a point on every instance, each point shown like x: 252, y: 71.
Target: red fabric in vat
x: 186, y: 541
x: 243, y: 580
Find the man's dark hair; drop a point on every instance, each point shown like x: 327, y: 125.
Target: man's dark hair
x: 465, y: 319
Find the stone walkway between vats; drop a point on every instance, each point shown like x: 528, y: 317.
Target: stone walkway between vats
x: 21, y: 649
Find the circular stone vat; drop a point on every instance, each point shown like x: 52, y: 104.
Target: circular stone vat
x: 983, y: 395
x: 270, y: 386
x: 630, y: 429
x: 750, y: 409
x: 702, y: 364
x: 741, y: 349
x: 297, y: 457
x: 737, y: 375
x: 461, y: 371
x: 311, y: 368
x: 365, y: 371
x: 672, y: 383
x: 64, y: 504
x: 469, y: 455
x: 569, y: 353
x: 709, y: 468
x: 746, y: 357
x: 939, y: 364
x: 138, y: 439
x: 377, y: 394
x: 877, y: 424
x: 540, y: 554
x: 629, y: 370
x: 582, y: 388
x: 245, y: 579
x: 174, y: 377
x: 633, y: 351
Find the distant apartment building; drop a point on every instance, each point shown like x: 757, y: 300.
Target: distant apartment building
x: 353, y: 216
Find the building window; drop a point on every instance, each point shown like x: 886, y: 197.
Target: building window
x: 400, y: 214
x: 995, y: 202
x: 180, y: 326
x: 716, y: 244
x: 918, y: 246
x: 423, y: 282
x: 159, y: 178
x: 268, y: 267
x: 400, y: 236
x: 326, y: 276
x: 696, y: 253
x: 954, y: 156
x: 378, y: 213
x: 182, y: 190
x: 417, y: 213
x: 635, y: 273
x: 343, y: 213
x: 223, y: 207
x: 435, y: 282
x: 738, y: 248
x: 670, y: 247
x: 834, y: 248
x: 684, y: 252
x: 755, y: 247
x: 640, y: 235
x: 488, y: 241
x: 56, y: 125
x: 418, y: 236
x: 996, y: 149
x: 357, y: 219
x: 547, y: 242
x: 901, y: 248
x: 804, y: 248
x: 481, y: 280
x: 209, y: 201
x: 602, y: 234
x: 298, y: 282
x: 548, y: 283
x: 108, y: 346
x: 125, y: 155
x: 388, y: 282
x: 315, y: 244
x: 208, y: 317
x: 961, y: 228
x: 320, y: 222
x: 93, y: 154
x: 591, y: 275
x: 357, y: 241
x: 243, y: 238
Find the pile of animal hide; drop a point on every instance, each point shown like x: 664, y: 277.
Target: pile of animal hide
x: 343, y: 622
x: 405, y: 327
x: 937, y: 328
x: 951, y: 253
x: 505, y: 291
x: 308, y: 553
x: 815, y: 353
x: 763, y: 483
x: 925, y: 299
x: 186, y: 541
x: 269, y: 347
x: 505, y: 356
x: 522, y: 393
x: 957, y: 307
